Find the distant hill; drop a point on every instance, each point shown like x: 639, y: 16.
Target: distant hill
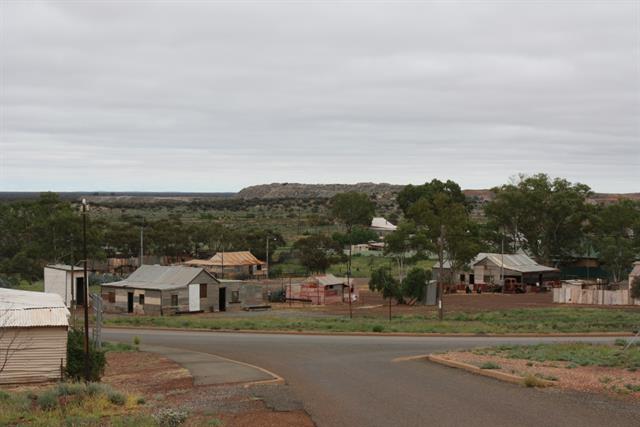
x: 316, y: 191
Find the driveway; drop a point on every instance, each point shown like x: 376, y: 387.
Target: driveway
x: 352, y: 381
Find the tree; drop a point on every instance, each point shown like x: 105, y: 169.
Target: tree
x: 398, y: 243
x: 441, y: 216
x: 414, y: 285
x: 615, y: 231
x: 352, y: 209
x: 544, y: 216
x: 317, y: 252
x: 358, y: 235
x: 383, y: 281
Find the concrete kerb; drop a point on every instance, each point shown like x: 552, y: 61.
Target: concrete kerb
x: 495, y: 374
x: 379, y: 334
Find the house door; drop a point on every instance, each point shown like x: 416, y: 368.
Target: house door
x: 472, y: 279
x: 222, y: 299
x: 130, y: 302
x: 80, y: 291
x: 194, y: 297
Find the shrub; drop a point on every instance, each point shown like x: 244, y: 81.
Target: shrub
x: 170, y: 417
x: 48, y: 400
x: 136, y: 341
x: 4, y: 395
x: 490, y: 365
x: 377, y: 328
x: 116, y: 398
x: 533, y: 381
x: 75, y: 357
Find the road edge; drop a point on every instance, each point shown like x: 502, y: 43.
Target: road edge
x: 490, y: 373
x: 377, y: 334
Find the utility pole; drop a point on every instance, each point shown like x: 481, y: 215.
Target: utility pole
x: 87, y: 368
x: 440, y: 284
x: 349, y: 276
x: 267, y: 256
x: 502, y: 262
x: 141, y: 244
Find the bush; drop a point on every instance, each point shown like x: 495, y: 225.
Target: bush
x: 377, y: 328
x: 533, y: 381
x: 116, y: 398
x: 48, y: 400
x: 490, y: 365
x: 170, y: 417
x: 75, y: 357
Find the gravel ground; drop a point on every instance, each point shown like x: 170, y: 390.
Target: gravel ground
x: 594, y: 379
x: 165, y: 384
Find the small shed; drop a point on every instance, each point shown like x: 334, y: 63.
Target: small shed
x: 382, y: 226
x: 230, y: 265
x: 66, y: 281
x: 322, y: 289
x: 159, y: 290
x: 33, y: 336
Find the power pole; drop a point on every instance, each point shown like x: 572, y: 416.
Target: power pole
x: 87, y: 368
x: 440, y: 284
x: 349, y: 277
x: 267, y: 256
x: 141, y: 244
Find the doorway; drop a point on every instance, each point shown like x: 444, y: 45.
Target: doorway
x: 222, y: 299
x: 80, y: 291
x: 130, y: 302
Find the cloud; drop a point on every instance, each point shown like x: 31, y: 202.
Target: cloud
x: 215, y: 96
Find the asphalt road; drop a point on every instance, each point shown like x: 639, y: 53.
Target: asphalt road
x: 352, y: 381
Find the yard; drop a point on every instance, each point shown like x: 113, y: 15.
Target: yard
x: 601, y: 368
x: 471, y: 314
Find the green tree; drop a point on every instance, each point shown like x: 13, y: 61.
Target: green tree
x: 358, y: 235
x: 317, y: 252
x: 442, y: 221
x: 352, y: 209
x: 383, y: 281
x: 544, y: 216
x: 615, y: 231
x: 398, y: 243
x: 414, y: 285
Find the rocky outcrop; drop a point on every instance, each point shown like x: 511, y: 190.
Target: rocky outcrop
x: 316, y: 191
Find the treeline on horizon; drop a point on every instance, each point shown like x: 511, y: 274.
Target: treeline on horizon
x: 551, y: 219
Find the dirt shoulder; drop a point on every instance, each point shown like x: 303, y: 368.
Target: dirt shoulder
x: 573, y: 373
x: 165, y: 384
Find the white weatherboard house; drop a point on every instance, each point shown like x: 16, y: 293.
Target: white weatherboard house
x: 66, y: 281
x: 33, y: 336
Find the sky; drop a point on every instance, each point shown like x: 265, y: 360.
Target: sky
x: 216, y: 96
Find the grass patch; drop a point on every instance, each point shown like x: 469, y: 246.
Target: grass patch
x: 533, y: 381
x: 71, y: 404
x: 490, y: 365
x: 576, y: 354
x: 531, y: 320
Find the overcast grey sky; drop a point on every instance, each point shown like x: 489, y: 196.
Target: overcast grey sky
x: 214, y: 96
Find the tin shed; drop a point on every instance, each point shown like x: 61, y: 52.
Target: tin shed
x: 33, y: 336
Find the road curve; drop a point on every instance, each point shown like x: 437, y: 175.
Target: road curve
x: 352, y: 381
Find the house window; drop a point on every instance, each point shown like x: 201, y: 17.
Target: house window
x: 111, y: 297
x: 462, y: 278
x: 141, y: 299
x: 174, y: 300
x: 235, y: 296
x: 259, y: 267
x: 203, y: 290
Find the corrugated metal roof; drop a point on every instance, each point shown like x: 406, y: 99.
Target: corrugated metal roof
x: 328, y: 280
x: 159, y: 277
x: 31, y: 309
x: 515, y: 262
x: 380, y: 223
x: 234, y: 258
x: 64, y: 267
